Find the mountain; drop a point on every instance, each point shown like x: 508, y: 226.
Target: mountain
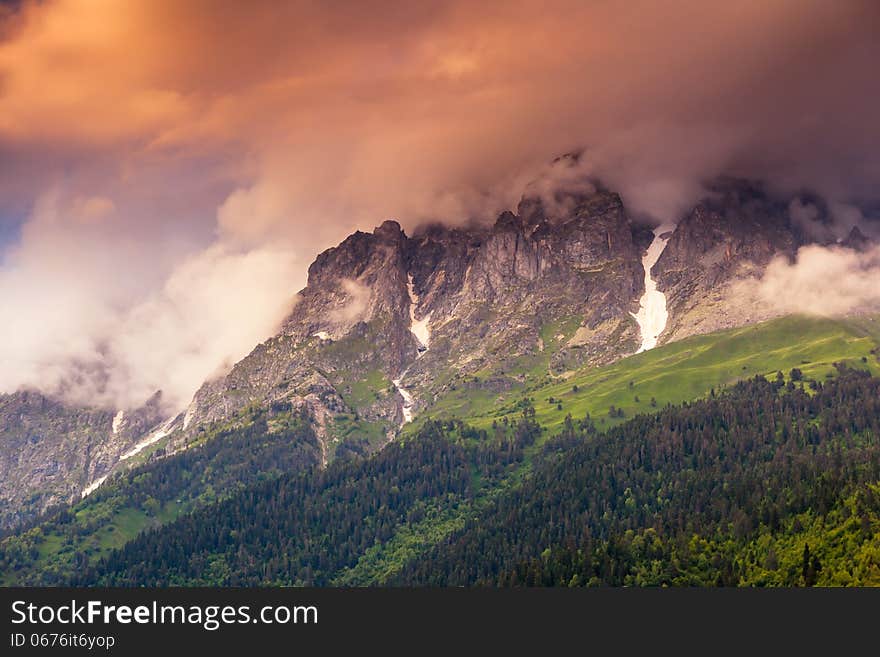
x: 52, y: 451
x: 392, y: 325
x: 481, y: 298
x: 466, y: 321
x: 729, y: 236
x: 424, y: 387
x: 274, y: 449
x: 731, y: 490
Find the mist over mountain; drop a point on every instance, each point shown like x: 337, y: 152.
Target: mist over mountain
x: 391, y: 325
x: 561, y: 292
x: 178, y: 175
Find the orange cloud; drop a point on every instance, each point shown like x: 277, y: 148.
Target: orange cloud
x: 272, y: 130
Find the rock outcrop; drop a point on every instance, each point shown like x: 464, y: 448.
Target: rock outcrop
x: 729, y: 237
x: 487, y: 294
x: 51, y: 451
x: 391, y: 324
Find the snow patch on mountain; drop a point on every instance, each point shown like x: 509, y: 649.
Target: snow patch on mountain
x: 157, y: 435
x: 92, y: 487
x: 407, y: 400
x: 118, y: 419
x: 652, y: 315
x: 190, y: 413
x: 418, y: 327
x: 151, y: 438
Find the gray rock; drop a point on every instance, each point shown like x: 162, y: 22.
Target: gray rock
x: 50, y: 451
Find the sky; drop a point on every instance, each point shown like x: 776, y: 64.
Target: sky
x: 169, y: 170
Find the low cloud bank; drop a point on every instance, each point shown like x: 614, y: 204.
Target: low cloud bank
x: 824, y: 281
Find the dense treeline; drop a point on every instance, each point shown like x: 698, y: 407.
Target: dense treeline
x: 304, y: 529
x: 841, y: 548
x: 697, y: 495
x: 769, y: 483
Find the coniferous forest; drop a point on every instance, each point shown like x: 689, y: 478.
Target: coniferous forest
x: 761, y: 486
x: 307, y: 529
x: 772, y: 482
x: 442, y: 294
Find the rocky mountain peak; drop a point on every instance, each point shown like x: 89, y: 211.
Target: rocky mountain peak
x: 389, y: 324
x: 730, y: 235
x: 390, y: 232
x: 507, y: 220
x: 475, y: 291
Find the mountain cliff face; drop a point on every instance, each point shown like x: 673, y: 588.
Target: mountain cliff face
x: 728, y: 237
x: 392, y: 325
x: 483, y: 298
x: 51, y: 451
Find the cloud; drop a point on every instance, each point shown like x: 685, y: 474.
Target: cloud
x: 357, y: 299
x: 93, y: 209
x: 157, y: 141
x: 825, y: 281
x: 73, y: 330
x: 190, y: 331
x: 806, y: 215
x: 435, y: 111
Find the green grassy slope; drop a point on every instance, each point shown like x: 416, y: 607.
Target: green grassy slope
x: 677, y: 372
x: 766, y: 484
x: 673, y: 373
x: 733, y: 490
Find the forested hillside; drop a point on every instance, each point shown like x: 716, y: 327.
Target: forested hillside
x: 222, y: 463
x: 770, y: 483
x: 307, y: 530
